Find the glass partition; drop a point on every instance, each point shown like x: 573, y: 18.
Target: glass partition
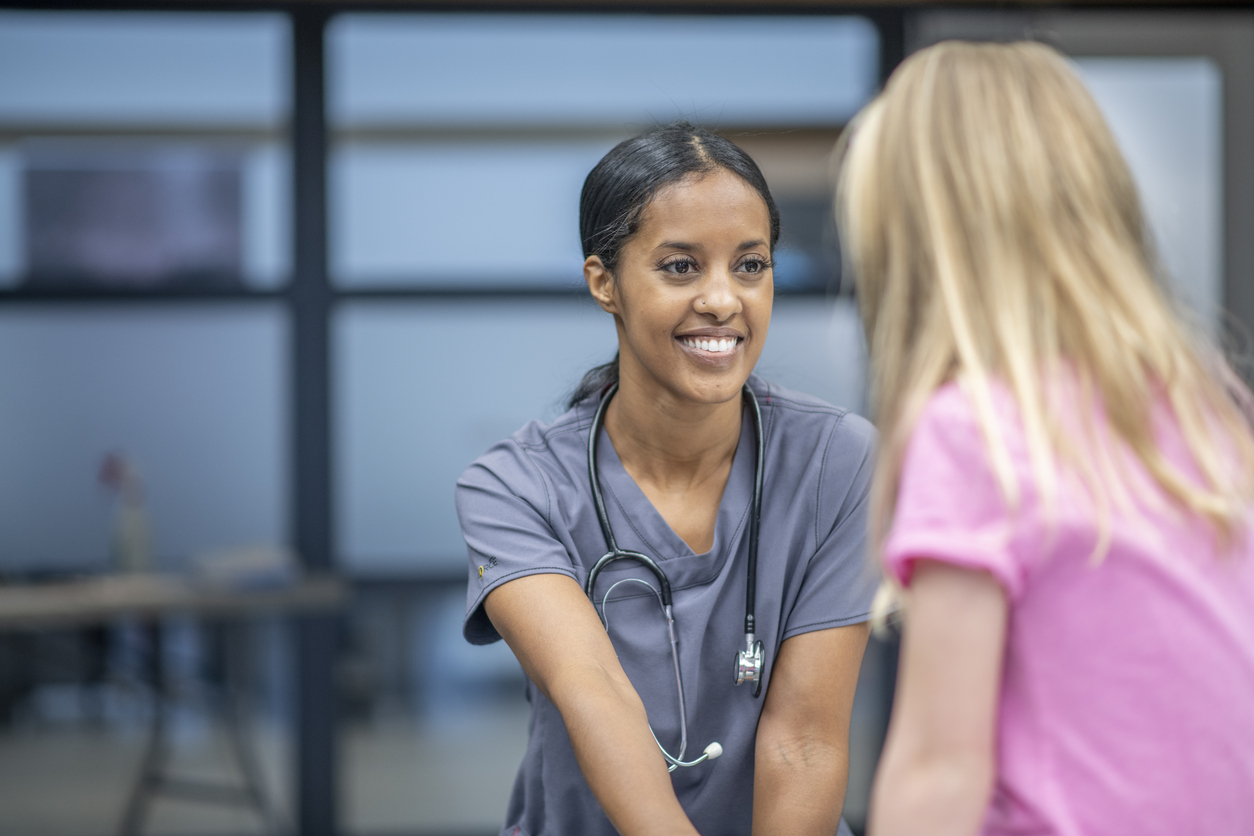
x: 143, y: 151
x: 425, y: 387
x: 1167, y: 115
x: 191, y: 401
x: 461, y: 141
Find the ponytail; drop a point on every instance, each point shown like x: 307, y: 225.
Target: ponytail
x: 595, y: 381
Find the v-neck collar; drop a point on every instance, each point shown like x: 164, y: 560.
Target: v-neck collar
x: 639, y: 526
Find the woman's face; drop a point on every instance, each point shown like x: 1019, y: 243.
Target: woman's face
x: 692, y: 292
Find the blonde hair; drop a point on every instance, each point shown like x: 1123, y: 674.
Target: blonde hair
x: 995, y: 233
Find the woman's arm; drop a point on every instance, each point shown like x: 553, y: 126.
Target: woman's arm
x: 801, y: 763
x: 553, y: 630
x: 937, y: 769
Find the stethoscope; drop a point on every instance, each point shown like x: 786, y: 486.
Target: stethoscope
x: 750, y: 661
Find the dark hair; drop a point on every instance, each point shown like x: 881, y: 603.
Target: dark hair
x: 620, y: 187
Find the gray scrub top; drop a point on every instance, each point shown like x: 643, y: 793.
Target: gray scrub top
x: 526, y: 508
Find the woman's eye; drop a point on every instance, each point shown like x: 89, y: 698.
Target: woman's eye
x: 753, y: 266
x: 680, y: 268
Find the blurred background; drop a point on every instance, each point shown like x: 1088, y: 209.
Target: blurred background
x: 271, y: 277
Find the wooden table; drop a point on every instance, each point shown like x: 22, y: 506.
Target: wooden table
x: 105, y: 599
x: 148, y: 598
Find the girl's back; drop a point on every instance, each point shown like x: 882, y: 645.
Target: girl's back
x: 1066, y: 475
x: 1127, y: 698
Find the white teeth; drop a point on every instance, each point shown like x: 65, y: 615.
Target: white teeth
x: 713, y: 346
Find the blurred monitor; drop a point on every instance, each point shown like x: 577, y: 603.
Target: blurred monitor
x: 133, y: 219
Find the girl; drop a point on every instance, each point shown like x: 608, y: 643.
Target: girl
x: 1064, y: 489
x: 672, y: 465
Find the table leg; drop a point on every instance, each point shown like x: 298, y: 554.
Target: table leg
x: 238, y: 680
x: 148, y: 781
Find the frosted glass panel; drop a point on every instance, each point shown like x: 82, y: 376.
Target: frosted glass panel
x: 266, y: 211
x: 142, y: 68
x: 464, y: 140
x: 1167, y: 114
x: 492, y: 214
x: 583, y: 69
x: 424, y: 388
x: 816, y: 346
x: 196, y: 399
x: 11, y: 232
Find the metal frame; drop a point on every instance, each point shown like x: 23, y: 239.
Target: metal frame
x: 313, y: 535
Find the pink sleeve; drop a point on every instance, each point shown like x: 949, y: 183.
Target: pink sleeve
x: 949, y: 506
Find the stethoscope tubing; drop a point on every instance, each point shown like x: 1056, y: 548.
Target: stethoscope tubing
x: 663, y: 592
x: 755, y: 514
x: 611, y: 543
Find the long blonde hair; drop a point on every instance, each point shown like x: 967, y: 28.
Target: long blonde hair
x: 995, y: 233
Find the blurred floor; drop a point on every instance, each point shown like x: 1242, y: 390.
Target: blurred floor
x: 448, y: 776
x: 399, y: 777
x: 432, y: 733
x: 74, y: 781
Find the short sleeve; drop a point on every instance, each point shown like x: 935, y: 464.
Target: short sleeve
x: 950, y: 507
x: 839, y: 584
x: 503, y: 505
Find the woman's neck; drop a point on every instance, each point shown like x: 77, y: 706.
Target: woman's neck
x: 673, y: 445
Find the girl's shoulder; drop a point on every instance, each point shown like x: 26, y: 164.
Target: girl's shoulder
x: 949, y: 422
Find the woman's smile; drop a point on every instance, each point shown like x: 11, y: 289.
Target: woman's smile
x: 718, y: 346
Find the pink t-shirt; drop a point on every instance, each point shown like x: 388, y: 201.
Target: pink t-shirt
x: 1127, y: 699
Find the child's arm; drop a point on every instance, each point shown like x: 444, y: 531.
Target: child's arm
x: 937, y: 769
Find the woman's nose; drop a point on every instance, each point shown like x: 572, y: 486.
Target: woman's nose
x: 719, y: 298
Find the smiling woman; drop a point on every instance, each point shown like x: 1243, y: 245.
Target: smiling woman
x: 631, y: 177
x: 691, y: 295
x: 678, y: 231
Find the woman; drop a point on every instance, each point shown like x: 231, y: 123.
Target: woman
x: 1064, y: 489
x: 678, y: 228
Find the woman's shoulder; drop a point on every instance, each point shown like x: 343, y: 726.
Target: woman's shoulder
x: 800, y: 418
x: 521, y: 461
x: 822, y: 451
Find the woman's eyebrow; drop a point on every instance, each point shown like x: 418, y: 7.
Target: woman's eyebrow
x: 686, y: 247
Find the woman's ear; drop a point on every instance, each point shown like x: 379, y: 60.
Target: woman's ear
x: 600, y: 283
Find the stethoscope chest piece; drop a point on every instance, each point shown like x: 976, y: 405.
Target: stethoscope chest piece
x: 749, y: 664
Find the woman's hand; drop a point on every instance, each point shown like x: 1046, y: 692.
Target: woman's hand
x: 554, y: 631
x: 801, y: 762
x: 937, y: 769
